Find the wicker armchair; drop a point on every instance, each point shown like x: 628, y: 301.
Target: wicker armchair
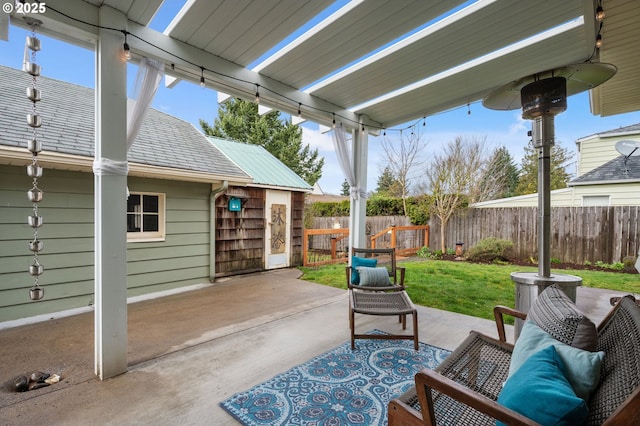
x: 464, y: 388
x: 389, y: 299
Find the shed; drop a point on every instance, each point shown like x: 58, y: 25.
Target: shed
x: 266, y: 231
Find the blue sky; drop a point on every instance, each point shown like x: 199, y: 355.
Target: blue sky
x: 191, y: 102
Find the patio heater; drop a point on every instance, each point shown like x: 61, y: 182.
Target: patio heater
x: 542, y: 96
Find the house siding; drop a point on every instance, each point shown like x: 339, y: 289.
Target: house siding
x: 620, y: 194
x: 68, y: 255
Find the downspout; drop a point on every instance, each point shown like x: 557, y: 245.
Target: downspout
x: 215, y: 194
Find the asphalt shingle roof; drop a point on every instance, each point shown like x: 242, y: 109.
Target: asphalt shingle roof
x: 260, y: 164
x: 67, y: 112
x: 613, y: 170
x: 633, y: 128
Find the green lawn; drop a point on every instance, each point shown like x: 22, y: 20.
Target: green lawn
x: 469, y: 288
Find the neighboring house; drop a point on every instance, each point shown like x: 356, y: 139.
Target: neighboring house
x: 604, y: 178
x: 176, y: 176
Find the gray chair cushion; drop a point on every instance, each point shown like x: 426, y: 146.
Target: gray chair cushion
x: 556, y: 314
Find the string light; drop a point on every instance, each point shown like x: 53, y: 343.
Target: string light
x: 468, y: 109
x: 227, y: 76
x: 598, y: 41
x: 600, y: 14
x: 257, y: 94
x: 125, y: 48
x: 333, y: 122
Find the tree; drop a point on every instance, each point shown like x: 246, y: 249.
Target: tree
x: 528, y: 181
x: 386, y: 182
x: 454, y: 178
x: 403, y: 156
x: 239, y: 120
x: 501, y: 175
x: 346, y: 188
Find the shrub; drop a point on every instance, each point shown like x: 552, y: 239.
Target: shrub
x: 629, y: 263
x: 428, y: 254
x: 490, y: 250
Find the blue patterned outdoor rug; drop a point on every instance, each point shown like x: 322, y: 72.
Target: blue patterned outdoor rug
x: 340, y: 387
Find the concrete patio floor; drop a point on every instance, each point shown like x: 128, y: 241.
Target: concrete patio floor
x: 189, y: 351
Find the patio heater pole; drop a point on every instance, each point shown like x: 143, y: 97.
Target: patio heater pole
x: 543, y: 134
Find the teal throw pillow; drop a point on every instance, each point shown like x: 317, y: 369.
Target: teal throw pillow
x: 356, y: 262
x: 374, y: 277
x: 540, y: 391
x: 582, y: 367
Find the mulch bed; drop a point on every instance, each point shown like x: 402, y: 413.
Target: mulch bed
x: 575, y: 266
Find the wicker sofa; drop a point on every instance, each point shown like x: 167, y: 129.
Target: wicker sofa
x: 473, y: 383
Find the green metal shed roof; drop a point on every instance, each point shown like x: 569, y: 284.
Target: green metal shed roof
x: 261, y: 165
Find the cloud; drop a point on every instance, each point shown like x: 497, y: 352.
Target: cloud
x: 322, y: 141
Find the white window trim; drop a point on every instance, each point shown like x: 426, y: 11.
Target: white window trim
x: 596, y: 197
x: 139, y: 237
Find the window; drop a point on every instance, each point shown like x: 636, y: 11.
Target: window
x: 145, y: 217
x: 595, y: 200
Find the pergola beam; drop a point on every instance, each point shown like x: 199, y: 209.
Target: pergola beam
x: 226, y: 77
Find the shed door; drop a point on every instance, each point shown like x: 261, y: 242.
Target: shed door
x: 278, y: 235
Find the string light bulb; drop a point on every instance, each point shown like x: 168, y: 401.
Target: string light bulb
x: 258, y: 94
x: 202, y: 83
x: 333, y: 123
x: 600, y: 14
x: 598, y: 41
x: 299, y: 110
x: 125, y: 48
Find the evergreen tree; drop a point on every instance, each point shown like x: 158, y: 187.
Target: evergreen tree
x: 528, y: 181
x: 500, y: 175
x: 346, y: 188
x: 239, y: 120
x: 386, y: 182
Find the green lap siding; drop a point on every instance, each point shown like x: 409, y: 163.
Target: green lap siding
x: 67, y: 210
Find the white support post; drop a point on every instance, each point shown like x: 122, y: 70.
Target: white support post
x: 358, y: 216
x: 110, y: 200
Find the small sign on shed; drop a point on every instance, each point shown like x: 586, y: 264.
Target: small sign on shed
x: 235, y: 204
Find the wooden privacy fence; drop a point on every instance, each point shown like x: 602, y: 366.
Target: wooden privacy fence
x: 328, y: 242
x: 578, y: 234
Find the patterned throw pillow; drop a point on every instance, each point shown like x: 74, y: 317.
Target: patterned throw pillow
x: 374, y: 277
x: 556, y: 314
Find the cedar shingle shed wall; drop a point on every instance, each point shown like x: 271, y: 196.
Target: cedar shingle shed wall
x: 240, y: 235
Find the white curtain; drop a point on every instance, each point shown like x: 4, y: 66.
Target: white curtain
x: 150, y: 73
x: 344, y: 152
x: 148, y: 79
